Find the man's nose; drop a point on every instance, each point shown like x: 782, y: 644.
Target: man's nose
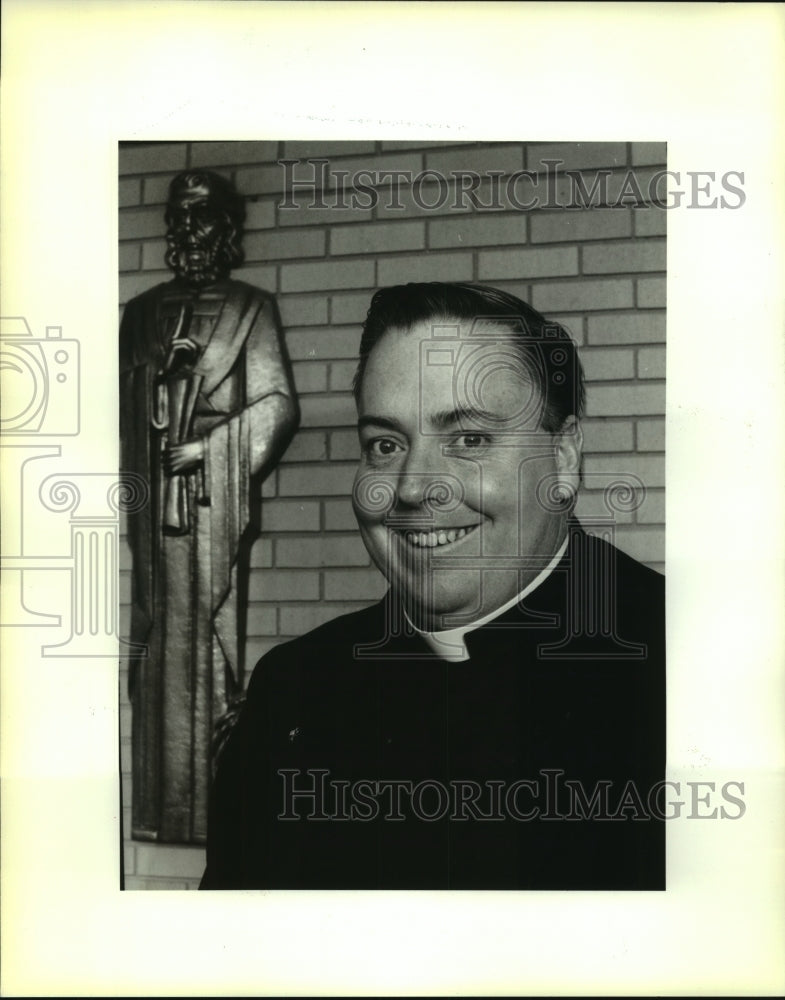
x: 424, y: 482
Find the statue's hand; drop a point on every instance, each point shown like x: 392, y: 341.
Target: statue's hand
x: 185, y: 457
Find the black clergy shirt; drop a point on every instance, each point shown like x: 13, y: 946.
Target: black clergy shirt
x: 361, y: 760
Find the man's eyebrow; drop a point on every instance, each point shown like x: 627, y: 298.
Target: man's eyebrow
x: 461, y: 415
x: 375, y: 421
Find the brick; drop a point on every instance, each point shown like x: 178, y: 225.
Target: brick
x: 259, y: 275
x: 306, y: 617
x: 169, y: 861
x: 135, y: 884
x: 410, y: 163
x: 327, y: 275
x: 156, y: 189
x: 647, y: 545
x: 339, y: 516
x: 331, y: 479
x: 592, y: 505
x: 316, y: 214
x: 420, y: 143
x: 606, y: 435
x: 328, y: 411
x: 310, y: 376
x: 605, y: 365
x: 428, y: 198
x: 577, y: 155
x: 576, y: 296
x: 384, y: 237
x: 141, y: 223
x: 507, y: 157
x: 631, y: 328
x: 574, y: 225
x: 150, y: 157
x: 650, y: 435
x: 307, y: 446
x: 128, y: 257
x: 620, y: 257
x: 267, y: 179
x: 125, y: 621
x: 282, y: 245
x: 426, y: 267
x: 342, y: 375
x: 259, y: 215
x: 270, y: 484
x: 350, y: 309
x: 476, y: 231
x: 283, y: 585
x: 224, y: 154
x: 290, y: 515
x: 325, y: 550
x: 136, y: 282
x: 625, y: 400
x: 124, y: 553
x: 652, y: 509
x: 651, y: 293
x: 599, y: 471
x: 344, y: 445
x: 261, y: 553
x: 153, y: 255
x: 650, y: 221
x: 298, y: 310
x: 649, y: 152
x: 129, y: 191
x: 262, y: 620
x: 582, y: 189
x: 303, y: 148
x: 531, y: 263
x: 354, y: 585
x: 324, y: 344
x: 651, y: 362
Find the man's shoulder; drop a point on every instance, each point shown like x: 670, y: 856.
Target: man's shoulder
x: 635, y: 592
x: 325, y: 646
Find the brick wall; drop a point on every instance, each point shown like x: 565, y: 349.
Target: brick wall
x: 600, y: 272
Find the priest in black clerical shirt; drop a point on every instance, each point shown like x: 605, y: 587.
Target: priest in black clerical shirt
x: 497, y: 720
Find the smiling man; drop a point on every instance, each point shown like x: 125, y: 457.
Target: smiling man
x: 497, y: 721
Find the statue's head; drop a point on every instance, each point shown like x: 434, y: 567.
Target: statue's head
x: 204, y: 219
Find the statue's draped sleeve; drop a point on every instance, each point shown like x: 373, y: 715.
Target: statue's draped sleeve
x: 240, y: 450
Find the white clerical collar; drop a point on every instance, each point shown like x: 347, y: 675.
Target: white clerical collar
x: 449, y: 644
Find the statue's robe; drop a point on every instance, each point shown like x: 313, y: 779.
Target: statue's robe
x: 189, y: 590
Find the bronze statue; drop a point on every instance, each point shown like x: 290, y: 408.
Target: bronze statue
x: 207, y: 406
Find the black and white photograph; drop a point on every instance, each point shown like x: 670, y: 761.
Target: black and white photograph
x: 396, y: 419
x: 391, y: 424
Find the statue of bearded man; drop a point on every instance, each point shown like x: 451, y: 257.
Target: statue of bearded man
x: 207, y: 408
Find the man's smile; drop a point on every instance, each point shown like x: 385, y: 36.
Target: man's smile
x: 435, y: 537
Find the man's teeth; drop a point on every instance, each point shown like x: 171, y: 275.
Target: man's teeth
x: 430, y: 539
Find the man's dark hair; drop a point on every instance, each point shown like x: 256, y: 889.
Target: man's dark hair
x: 546, y: 350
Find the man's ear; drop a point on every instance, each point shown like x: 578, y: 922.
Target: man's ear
x: 569, y: 449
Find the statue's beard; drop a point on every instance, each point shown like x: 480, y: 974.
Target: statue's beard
x: 198, y: 262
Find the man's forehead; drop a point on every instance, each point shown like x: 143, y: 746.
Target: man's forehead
x: 450, y: 378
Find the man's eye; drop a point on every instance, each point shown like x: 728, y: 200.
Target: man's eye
x: 382, y: 447
x: 468, y: 442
